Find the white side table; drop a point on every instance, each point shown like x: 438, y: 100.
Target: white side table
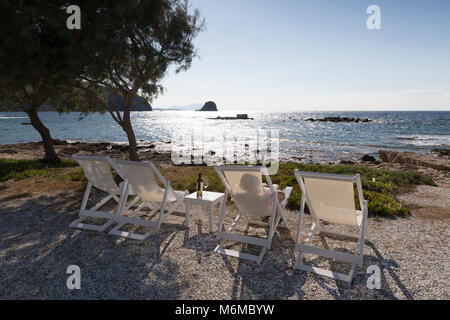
x: 208, y: 199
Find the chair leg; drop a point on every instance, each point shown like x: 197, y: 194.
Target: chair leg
x: 308, y: 240
x: 265, y: 244
x: 232, y: 253
x: 154, y: 226
x: 223, y: 236
x: 272, y: 232
x: 78, y: 224
x: 131, y: 235
x: 299, y: 265
x: 223, y: 205
x: 327, y: 273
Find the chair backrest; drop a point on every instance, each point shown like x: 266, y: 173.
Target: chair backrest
x: 245, y: 185
x: 141, y: 176
x: 98, y: 171
x: 331, y: 197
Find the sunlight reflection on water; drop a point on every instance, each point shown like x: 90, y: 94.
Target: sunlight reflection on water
x: 298, y: 138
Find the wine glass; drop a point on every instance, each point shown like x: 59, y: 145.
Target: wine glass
x: 205, y: 182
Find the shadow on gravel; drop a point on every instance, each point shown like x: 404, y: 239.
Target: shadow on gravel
x: 386, y: 265
x: 202, y: 244
x: 275, y: 278
x: 37, y: 246
x: 358, y: 288
x: 16, y: 196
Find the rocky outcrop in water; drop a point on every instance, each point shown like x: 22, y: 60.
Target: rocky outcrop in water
x: 340, y: 119
x: 416, y: 159
x: 242, y: 116
x: 209, y: 106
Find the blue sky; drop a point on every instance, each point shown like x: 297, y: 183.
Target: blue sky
x: 294, y: 55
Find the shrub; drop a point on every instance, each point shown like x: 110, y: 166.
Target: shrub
x: 379, y: 194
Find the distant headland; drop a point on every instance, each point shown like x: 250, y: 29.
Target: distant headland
x: 138, y: 103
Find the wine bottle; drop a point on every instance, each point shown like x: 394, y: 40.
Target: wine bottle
x: 199, y: 185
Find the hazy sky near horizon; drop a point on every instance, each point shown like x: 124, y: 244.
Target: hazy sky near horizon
x: 294, y: 55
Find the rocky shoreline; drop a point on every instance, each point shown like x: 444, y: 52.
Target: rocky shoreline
x: 65, y: 149
x: 436, y: 164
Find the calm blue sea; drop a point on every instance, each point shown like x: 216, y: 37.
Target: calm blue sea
x: 318, y: 141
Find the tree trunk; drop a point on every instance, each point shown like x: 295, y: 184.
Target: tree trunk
x: 128, y: 128
x: 50, y: 154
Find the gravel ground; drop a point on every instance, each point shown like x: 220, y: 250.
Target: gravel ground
x: 37, y: 246
x: 428, y: 196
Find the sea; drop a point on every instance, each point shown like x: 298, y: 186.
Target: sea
x: 419, y: 131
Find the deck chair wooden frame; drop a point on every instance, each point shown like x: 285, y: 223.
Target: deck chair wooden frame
x: 317, y: 227
x: 273, y: 223
x: 108, y: 185
x: 170, y: 200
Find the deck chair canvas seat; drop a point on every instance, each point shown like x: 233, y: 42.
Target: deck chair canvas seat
x: 97, y: 170
x: 331, y: 198
x: 141, y: 177
x: 244, y: 185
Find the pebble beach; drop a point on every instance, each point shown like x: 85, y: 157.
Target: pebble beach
x: 37, y: 246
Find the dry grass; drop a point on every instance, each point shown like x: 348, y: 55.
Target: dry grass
x: 26, y: 186
x: 431, y: 212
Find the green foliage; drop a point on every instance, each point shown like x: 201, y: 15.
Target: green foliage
x: 129, y: 45
x: 39, y: 68
x: 124, y: 48
x: 76, y: 174
x: 384, y: 204
x: 38, y: 65
x: 18, y: 169
x: 379, y: 194
x: 190, y: 182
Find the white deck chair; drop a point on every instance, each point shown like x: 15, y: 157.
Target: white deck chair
x: 141, y: 177
x: 98, y: 172
x: 330, y: 197
x: 244, y: 184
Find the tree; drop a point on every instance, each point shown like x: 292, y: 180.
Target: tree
x: 129, y: 46
x: 37, y: 65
